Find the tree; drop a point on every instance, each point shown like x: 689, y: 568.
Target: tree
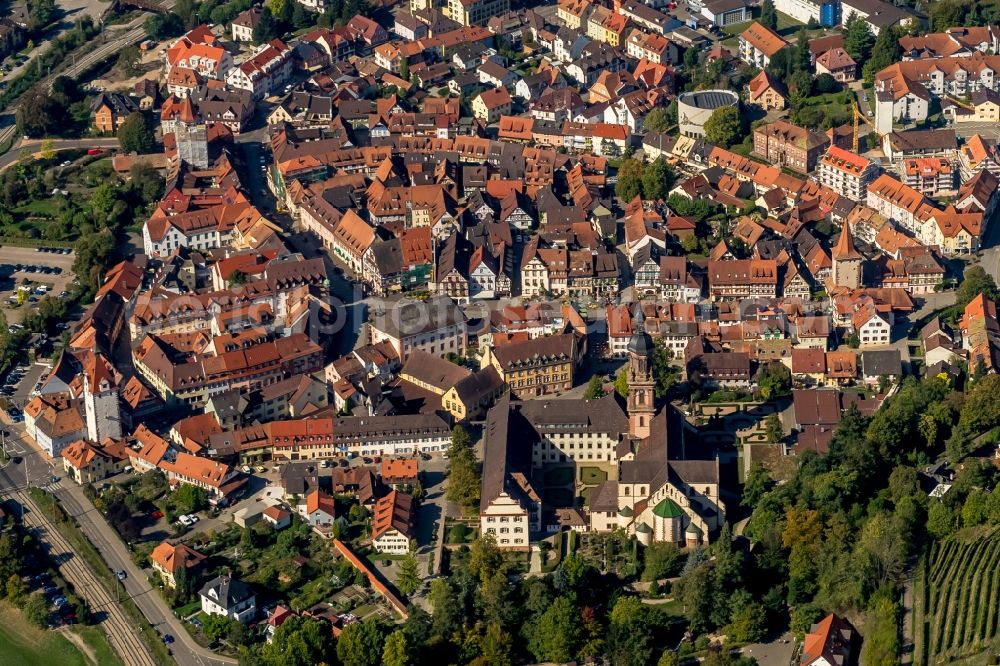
x: 757, y: 484
x: 146, y: 182
x: 396, y: 651
x: 669, y: 658
x: 217, y: 627
x: 299, y: 641
x: 48, y: 149
x: 236, y: 278
x: 621, y: 383
x: 748, y: 625
x: 36, y: 610
x: 93, y: 253
x: 556, y: 634
x: 463, y: 471
x: 772, y: 426
x: 629, y: 184
x: 408, y: 578
x: 661, y: 560
x: 185, y: 11
x: 103, y: 199
x: 595, y: 388
x: 691, y: 59
x: 301, y: 17
x: 858, y: 38
x: 267, y: 27
x: 694, y: 589
x: 129, y: 59
x: 664, y: 374
x: 774, y: 380
x: 657, y: 179
x: 725, y: 127
x: 135, y: 135
x: 42, y: 12
x: 768, y: 15
x: 885, y: 52
x: 801, y: 57
x: 496, y: 646
x: 880, y: 540
x: 39, y: 114
x: 485, y: 557
x: 975, y: 281
x: 657, y: 120
x: 162, y: 26
x: 16, y: 590
x: 824, y: 83
x: 361, y: 644
x: 882, y: 646
x: 946, y: 14
x: 981, y: 410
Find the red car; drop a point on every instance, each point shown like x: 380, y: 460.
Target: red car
x: 156, y: 515
x: 95, y: 151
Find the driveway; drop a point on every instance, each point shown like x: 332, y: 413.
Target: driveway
x: 776, y: 653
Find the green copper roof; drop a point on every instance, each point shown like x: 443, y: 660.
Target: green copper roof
x: 693, y: 529
x: 668, y: 509
x: 625, y: 512
x: 644, y: 528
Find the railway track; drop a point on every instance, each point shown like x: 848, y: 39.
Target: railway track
x: 122, y: 634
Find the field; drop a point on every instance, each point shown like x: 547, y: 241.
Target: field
x: 957, y: 599
x: 22, y: 643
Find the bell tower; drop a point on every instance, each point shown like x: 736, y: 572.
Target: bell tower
x: 641, y: 397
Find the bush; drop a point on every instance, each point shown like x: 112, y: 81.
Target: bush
x: 457, y: 533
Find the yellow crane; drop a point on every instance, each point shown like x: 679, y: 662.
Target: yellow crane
x: 860, y: 116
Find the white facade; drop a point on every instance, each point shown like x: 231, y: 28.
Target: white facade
x: 848, y: 183
x: 874, y: 332
x: 392, y: 541
x: 241, y: 612
x: 508, y: 521
x: 800, y: 10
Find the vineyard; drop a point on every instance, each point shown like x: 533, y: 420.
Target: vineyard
x: 957, y: 598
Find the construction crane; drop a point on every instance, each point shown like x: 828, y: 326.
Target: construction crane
x: 860, y: 116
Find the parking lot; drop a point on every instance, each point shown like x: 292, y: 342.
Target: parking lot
x: 31, y: 267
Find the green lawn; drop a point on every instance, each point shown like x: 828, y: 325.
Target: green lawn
x: 736, y: 29
x: 39, y: 207
x: 592, y: 476
x: 23, y: 643
x: 787, y: 26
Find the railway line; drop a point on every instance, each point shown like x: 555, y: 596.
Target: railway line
x: 122, y: 633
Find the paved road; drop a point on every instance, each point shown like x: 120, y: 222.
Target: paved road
x: 13, y: 156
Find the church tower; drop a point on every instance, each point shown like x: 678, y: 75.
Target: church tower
x: 100, y: 399
x: 641, y: 397
x: 846, y: 261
